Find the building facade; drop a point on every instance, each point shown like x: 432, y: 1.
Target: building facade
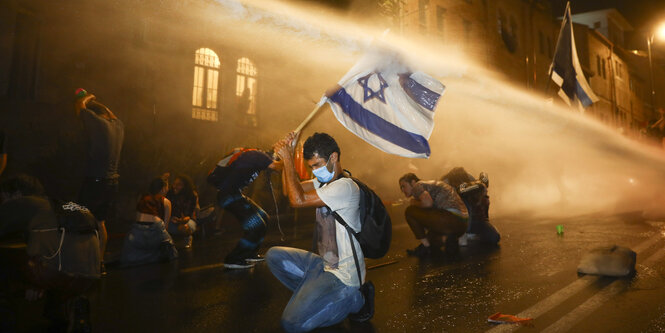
x: 518, y: 38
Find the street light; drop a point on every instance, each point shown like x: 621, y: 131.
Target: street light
x: 660, y: 31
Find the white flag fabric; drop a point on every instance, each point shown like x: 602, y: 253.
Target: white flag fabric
x: 566, y: 71
x: 388, y: 105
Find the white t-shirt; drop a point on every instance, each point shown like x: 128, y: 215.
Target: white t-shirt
x: 343, y: 197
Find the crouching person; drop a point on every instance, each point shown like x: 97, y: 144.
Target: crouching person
x: 62, y: 256
x: 436, y: 212
x: 148, y: 241
x: 185, y: 204
x: 325, y: 285
x: 474, y: 194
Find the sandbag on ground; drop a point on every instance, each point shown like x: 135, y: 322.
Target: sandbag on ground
x: 608, y: 261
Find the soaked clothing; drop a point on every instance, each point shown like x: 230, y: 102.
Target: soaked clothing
x: 254, y: 224
x: 320, y: 299
x: 148, y: 243
x: 433, y: 223
x: 238, y: 169
x: 231, y: 175
x: 54, y: 247
x: 443, y: 195
x: 105, y: 138
x: 478, y: 203
x: 333, y: 244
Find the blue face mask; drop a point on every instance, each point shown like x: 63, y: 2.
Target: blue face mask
x: 322, y: 173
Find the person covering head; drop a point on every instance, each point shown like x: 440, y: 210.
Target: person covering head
x: 435, y: 211
x: 62, y: 256
x: 333, y: 194
x: 230, y: 176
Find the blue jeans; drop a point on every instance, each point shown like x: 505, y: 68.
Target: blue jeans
x: 319, y: 298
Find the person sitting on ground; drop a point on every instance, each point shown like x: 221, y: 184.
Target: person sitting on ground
x: 435, y: 211
x: 148, y: 241
x: 474, y: 194
x: 184, y: 207
x: 231, y: 176
x: 325, y: 286
x: 62, y: 259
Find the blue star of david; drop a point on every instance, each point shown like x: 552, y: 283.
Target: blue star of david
x: 368, y: 93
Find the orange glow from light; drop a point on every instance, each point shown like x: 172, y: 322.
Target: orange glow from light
x: 660, y: 31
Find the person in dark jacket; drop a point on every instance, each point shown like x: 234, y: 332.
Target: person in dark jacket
x: 231, y: 175
x: 62, y: 258
x: 475, y: 196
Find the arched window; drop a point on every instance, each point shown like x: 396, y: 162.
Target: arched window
x: 246, y: 90
x: 206, y: 81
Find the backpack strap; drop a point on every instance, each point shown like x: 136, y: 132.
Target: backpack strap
x: 352, y: 234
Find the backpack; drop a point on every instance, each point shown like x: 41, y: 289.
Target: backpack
x: 75, y: 218
x: 376, y: 227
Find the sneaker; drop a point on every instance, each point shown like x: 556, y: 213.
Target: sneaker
x: 255, y: 258
x: 463, y: 240
x: 421, y: 251
x: 238, y: 264
x: 472, y: 237
x: 367, y: 311
x: 188, y: 241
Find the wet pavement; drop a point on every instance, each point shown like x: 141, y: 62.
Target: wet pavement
x: 532, y: 273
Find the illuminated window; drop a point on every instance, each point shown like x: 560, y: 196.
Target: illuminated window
x: 246, y: 91
x: 206, y: 81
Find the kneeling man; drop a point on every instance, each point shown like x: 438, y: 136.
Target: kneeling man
x: 436, y: 210
x: 325, y: 286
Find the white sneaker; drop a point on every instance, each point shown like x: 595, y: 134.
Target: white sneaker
x: 463, y: 241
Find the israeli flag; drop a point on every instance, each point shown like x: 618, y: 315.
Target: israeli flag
x: 386, y: 104
x: 566, y: 71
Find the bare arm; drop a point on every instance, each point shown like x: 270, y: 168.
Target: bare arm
x: 82, y: 103
x: 167, y: 210
x: 295, y: 191
x: 424, y: 200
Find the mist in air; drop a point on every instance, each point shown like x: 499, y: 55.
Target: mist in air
x: 542, y: 159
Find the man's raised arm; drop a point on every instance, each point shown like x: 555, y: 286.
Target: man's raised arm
x: 299, y: 194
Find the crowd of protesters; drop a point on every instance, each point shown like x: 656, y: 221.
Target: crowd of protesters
x: 66, y: 241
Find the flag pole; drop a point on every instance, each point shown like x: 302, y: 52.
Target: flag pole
x: 311, y: 115
x: 331, y: 91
